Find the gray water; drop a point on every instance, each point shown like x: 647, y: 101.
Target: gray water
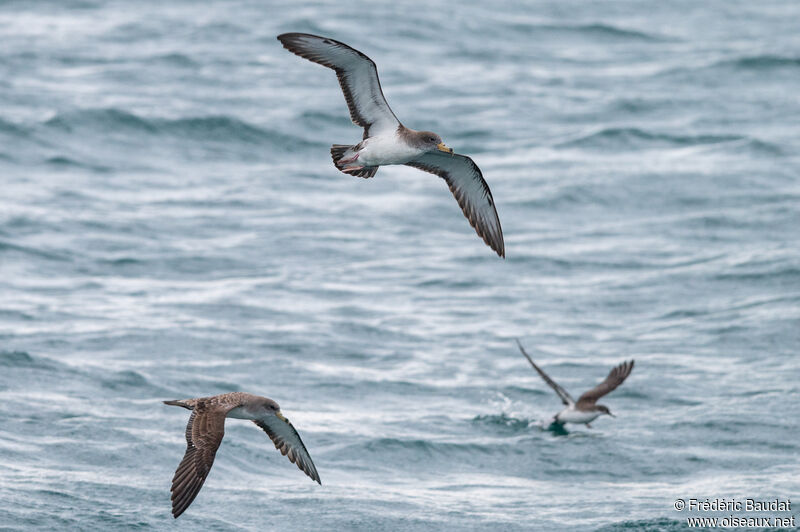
x: 171, y: 226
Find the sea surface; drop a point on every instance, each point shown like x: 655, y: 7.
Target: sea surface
x: 171, y: 226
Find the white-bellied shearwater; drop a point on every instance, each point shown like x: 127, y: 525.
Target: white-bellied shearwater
x: 387, y: 141
x: 586, y: 409
x: 207, y: 427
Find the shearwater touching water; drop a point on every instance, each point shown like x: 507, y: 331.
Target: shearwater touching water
x: 585, y: 409
x: 387, y: 141
x: 207, y: 427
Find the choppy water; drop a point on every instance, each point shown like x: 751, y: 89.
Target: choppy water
x: 171, y: 226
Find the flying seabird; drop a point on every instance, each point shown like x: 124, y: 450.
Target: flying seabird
x: 387, y: 141
x: 207, y: 427
x: 585, y: 410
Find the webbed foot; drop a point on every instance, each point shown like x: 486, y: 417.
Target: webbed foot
x: 349, y: 160
x: 352, y: 169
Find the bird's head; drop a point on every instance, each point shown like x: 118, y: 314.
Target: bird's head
x: 431, y: 141
x: 271, y: 407
x: 604, y: 410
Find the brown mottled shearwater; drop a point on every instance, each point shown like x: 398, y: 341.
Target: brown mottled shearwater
x: 387, y: 141
x: 585, y: 410
x: 207, y: 427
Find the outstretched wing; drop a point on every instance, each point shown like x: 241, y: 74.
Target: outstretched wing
x: 357, y: 75
x: 471, y: 191
x: 204, y: 433
x: 566, y: 398
x: 616, y: 377
x: 288, y: 442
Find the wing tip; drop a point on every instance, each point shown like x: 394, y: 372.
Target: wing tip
x: 288, y: 40
x: 178, y: 402
x: 519, y: 344
x: 495, y: 242
x: 283, y: 37
x: 291, y: 40
x: 178, y: 506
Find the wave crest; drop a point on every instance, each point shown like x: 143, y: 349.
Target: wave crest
x: 635, y: 138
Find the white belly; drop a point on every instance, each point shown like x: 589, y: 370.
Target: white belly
x: 386, y: 149
x: 570, y: 415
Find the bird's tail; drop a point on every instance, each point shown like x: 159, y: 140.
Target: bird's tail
x: 179, y: 403
x: 345, y: 158
x: 338, y: 152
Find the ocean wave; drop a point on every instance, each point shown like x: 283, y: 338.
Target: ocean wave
x: 502, y: 422
x: 213, y: 128
x: 563, y: 196
x: 608, y: 31
x: 61, y: 161
x: 15, y: 359
x: 420, y: 449
x: 662, y: 525
x: 102, y: 120
x: 318, y: 118
x: 596, y: 31
x: 217, y: 128
x: 27, y: 250
x: 760, y: 147
x: 635, y: 138
x: 15, y: 315
x: 760, y: 62
x: 639, y: 106
x: 22, y: 359
x: 12, y: 129
x: 125, y: 379
x: 770, y: 273
x: 720, y: 72
x: 16, y: 139
x: 175, y: 59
